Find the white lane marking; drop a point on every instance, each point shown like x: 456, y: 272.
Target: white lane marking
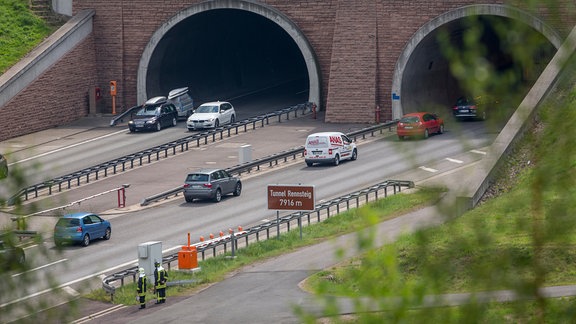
x: 427, y: 169
x: 455, y: 161
x: 478, y: 152
x: 69, y: 146
x: 38, y: 268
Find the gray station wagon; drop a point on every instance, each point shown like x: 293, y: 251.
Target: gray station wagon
x: 211, y: 184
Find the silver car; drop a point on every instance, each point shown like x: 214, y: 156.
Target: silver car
x: 211, y: 184
x: 182, y: 101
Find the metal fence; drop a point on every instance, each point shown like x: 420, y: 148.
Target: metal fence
x: 282, y: 224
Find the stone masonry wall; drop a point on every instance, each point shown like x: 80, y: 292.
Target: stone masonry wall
x: 57, y: 97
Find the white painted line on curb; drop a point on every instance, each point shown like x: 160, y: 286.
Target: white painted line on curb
x: 71, y: 291
x: 427, y: 169
x: 478, y: 152
x: 455, y: 161
x: 99, y: 314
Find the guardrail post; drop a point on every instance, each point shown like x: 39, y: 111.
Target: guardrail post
x: 233, y: 242
x: 300, y: 225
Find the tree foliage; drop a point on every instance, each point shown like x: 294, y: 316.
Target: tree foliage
x: 519, y: 242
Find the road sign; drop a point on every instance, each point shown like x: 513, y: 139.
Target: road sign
x: 290, y: 197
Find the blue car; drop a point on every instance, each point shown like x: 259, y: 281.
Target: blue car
x: 81, y: 228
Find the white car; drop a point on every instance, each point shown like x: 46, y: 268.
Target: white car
x: 329, y: 147
x: 211, y: 115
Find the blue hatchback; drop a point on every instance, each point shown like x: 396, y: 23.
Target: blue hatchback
x: 81, y: 228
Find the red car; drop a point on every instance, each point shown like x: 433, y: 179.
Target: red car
x: 420, y: 124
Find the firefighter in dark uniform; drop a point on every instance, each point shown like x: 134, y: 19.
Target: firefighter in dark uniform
x: 141, y: 288
x: 160, y: 278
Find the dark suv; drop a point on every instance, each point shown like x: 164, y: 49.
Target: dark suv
x: 211, y: 184
x: 11, y: 257
x: 155, y: 114
x: 3, y: 167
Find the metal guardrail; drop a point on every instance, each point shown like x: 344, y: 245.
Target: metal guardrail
x: 321, y: 212
x: 270, y: 161
x: 120, y: 118
x: 154, y: 154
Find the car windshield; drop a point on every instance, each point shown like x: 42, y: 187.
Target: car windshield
x: 318, y: 142
x: 410, y: 120
x: 68, y: 222
x: 197, y: 177
x: 463, y: 102
x: 207, y: 109
x: 147, y: 111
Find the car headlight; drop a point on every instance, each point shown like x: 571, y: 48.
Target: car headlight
x: 131, y: 122
x: 212, y: 119
x: 151, y: 121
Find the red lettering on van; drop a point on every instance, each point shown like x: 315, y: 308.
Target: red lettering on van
x: 335, y: 140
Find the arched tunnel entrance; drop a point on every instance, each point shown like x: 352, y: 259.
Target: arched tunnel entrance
x: 483, y: 50
x: 226, y: 49
x: 223, y: 49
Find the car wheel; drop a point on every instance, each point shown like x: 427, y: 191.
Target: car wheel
x: 216, y: 123
x: 108, y: 234
x: 354, y: 155
x: 232, y: 119
x: 86, y: 240
x: 309, y: 164
x: 174, y: 122
x: 188, y: 199
x: 158, y: 126
x: 426, y: 134
x: 337, y: 160
x: 218, y: 196
x: 238, y: 189
x: 441, y: 129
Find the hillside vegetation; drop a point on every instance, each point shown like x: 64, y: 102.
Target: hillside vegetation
x: 20, y: 32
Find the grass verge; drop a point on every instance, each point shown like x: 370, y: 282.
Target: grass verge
x: 20, y: 32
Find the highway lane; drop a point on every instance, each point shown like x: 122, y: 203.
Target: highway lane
x: 46, y: 158
x: 384, y: 158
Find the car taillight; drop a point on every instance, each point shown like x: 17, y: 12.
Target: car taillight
x: 329, y: 151
x: 208, y: 185
x: 79, y: 229
x: 186, y: 185
x: 455, y: 108
x: 473, y: 107
x: 305, y: 152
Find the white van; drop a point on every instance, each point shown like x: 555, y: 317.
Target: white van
x: 182, y: 101
x: 329, y: 147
